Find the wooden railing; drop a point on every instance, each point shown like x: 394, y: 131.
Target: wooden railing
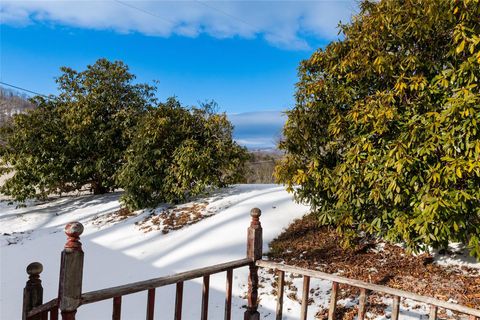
x: 364, y: 287
x: 70, y: 296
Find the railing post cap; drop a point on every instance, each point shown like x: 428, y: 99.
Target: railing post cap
x: 255, y: 213
x: 74, y: 229
x: 34, y: 268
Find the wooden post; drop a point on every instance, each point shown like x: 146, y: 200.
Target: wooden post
x: 33, y: 292
x: 71, y: 272
x: 333, y: 301
x: 254, y: 252
x: 178, y: 301
x: 362, y: 304
x: 306, y: 290
x: 395, y: 308
x: 228, y: 296
x: 433, y: 312
x: 205, y: 294
x: 280, y: 290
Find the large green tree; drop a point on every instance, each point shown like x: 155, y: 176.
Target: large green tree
x: 79, y: 137
x: 385, y: 134
x: 177, y: 153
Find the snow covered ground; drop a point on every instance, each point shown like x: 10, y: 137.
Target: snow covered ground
x: 119, y: 251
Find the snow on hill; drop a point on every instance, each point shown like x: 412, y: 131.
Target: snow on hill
x: 120, y: 249
x: 120, y: 252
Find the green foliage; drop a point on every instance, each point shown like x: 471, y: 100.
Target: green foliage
x: 177, y: 153
x: 78, y: 138
x: 385, y: 135
x: 105, y: 132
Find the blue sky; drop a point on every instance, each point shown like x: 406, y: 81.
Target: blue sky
x: 242, y: 54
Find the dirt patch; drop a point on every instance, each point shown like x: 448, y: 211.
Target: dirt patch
x: 175, y: 218
x: 307, y: 244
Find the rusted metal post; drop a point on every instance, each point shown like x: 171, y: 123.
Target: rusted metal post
x: 33, y: 292
x: 71, y: 272
x: 254, y: 252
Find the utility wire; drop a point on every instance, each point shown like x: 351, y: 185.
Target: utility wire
x: 126, y: 4
x: 23, y: 89
x: 226, y: 13
x: 144, y: 11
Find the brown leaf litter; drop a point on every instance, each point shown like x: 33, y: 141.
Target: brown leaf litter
x: 175, y: 218
x: 306, y: 244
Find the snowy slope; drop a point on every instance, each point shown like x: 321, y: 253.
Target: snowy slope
x: 119, y: 253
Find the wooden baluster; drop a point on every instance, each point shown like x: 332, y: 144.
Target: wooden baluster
x: 433, y: 312
x: 395, y: 308
x: 150, y: 304
x: 254, y: 252
x: 280, y: 290
x: 205, y: 293
x: 71, y: 272
x: 333, y: 301
x: 306, y: 289
x: 179, y: 301
x: 362, y: 304
x: 54, y: 313
x: 228, y: 297
x: 33, y: 291
x: 117, y: 308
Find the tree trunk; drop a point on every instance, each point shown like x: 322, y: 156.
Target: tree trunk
x: 98, y: 188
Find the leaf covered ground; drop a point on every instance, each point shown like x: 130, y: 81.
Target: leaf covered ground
x: 307, y: 244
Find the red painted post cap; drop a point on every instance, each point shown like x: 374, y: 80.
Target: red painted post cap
x: 73, y: 230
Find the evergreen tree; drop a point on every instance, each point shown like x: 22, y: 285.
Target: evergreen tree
x: 79, y: 137
x: 178, y: 153
x: 385, y: 134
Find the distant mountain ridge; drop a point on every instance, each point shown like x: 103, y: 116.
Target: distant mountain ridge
x: 258, y: 130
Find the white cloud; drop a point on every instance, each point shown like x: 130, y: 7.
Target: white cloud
x: 282, y: 23
x: 260, y: 129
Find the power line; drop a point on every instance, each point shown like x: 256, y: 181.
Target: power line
x: 144, y: 11
x: 23, y: 89
x: 226, y: 14
x: 198, y: 1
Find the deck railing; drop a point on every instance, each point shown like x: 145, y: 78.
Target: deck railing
x: 70, y: 296
x: 364, y: 287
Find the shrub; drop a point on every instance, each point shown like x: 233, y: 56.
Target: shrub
x: 177, y: 153
x: 77, y: 138
x: 385, y: 135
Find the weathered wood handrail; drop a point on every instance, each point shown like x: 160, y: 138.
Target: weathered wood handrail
x: 43, y: 308
x: 368, y: 286
x: 109, y: 293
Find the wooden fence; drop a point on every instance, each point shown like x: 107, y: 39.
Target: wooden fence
x: 70, y: 296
